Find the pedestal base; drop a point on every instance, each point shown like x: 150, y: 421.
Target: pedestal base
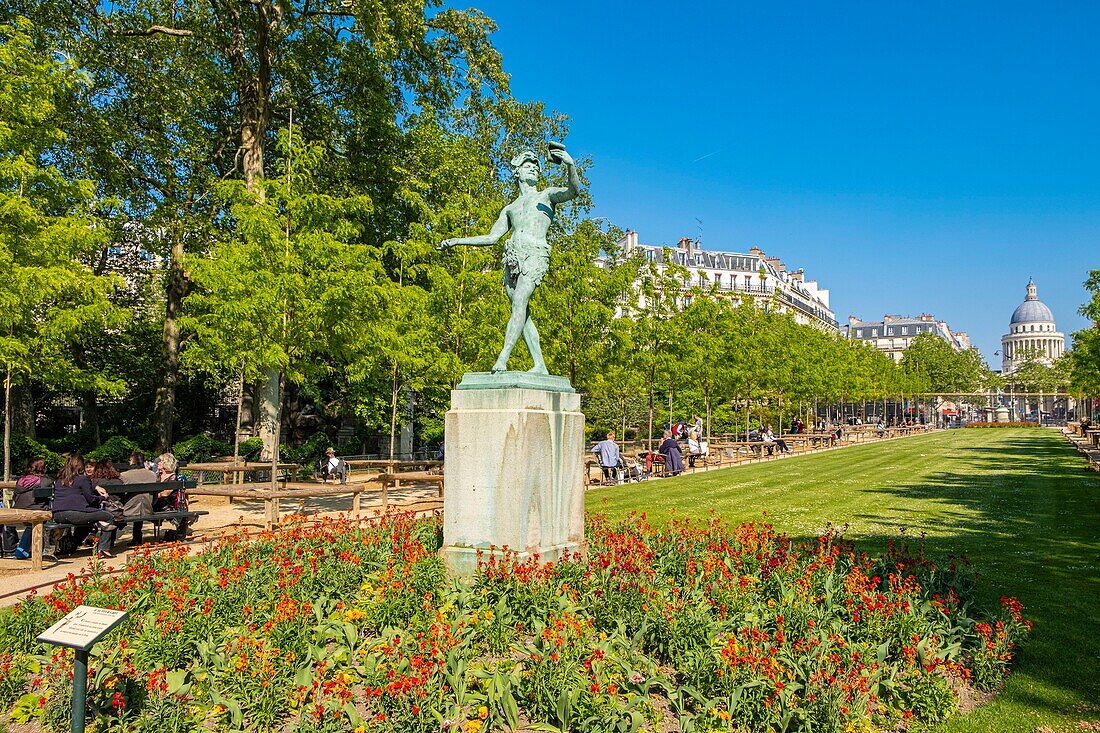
x: 514, y: 467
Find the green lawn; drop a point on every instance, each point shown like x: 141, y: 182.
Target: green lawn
x: 1018, y: 502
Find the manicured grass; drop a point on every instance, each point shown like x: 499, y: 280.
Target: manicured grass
x: 1018, y: 502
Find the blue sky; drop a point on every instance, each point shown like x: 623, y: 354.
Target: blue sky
x: 918, y: 156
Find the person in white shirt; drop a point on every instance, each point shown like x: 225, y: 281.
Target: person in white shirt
x: 770, y: 440
x: 333, y: 467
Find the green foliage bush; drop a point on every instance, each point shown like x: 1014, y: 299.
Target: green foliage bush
x: 25, y: 448
x: 249, y: 450
x: 308, y: 452
x: 117, y: 449
x: 200, y: 448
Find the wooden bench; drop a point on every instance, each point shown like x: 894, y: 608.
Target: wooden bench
x: 384, y: 465
x: 236, y: 473
x: 37, y: 519
x: 271, y: 499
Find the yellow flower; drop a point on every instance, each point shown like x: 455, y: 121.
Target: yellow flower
x: 483, y: 712
x: 361, y: 729
x: 603, y: 636
x: 472, y: 726
x: 219, y: 709
x: 487, y: 614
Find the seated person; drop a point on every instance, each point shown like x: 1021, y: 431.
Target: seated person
x: 772, y: 442
x: 76, y: 501
x: 23, y: 498
x: 696, y: 448
x: 171, y: 500
x: 608, y: 452
x: 332, y: 466
x: 674, y: 460
x: 137, y: 504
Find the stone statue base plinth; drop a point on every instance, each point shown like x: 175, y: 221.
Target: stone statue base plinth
x: 514, y: 468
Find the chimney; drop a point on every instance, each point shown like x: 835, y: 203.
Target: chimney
x: 927, y: 317
x: 799, y: 275
x: 630, y: 241
x: 889, y: 319
x: 852, y: 320
x: 685, y: 244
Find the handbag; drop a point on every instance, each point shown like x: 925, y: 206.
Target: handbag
x: 115, y: 508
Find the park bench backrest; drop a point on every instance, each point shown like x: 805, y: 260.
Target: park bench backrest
x: 47, y: 493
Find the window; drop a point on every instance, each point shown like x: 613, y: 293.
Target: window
x: 859, y: 333
x: 904, y: 330
x: 874, y: 332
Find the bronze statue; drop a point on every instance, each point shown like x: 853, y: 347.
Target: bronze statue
x: 526, y: 252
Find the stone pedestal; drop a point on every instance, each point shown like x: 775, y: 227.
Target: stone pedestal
x: 514, y: 468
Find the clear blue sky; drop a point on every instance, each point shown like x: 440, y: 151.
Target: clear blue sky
x: 913, y: 156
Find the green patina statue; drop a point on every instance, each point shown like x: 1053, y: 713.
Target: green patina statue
x: 526, y: 252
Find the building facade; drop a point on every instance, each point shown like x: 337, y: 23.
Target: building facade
x: 1032, y: 331
x: 893, y: 334
x: 765, y: 279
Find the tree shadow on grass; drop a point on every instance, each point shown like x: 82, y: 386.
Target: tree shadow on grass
x: 1032, y: 529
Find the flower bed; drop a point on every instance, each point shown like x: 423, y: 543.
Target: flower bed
x: 333, y: 627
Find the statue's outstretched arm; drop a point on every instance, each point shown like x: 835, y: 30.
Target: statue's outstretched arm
x: 499, y: 229
x: 560, y: 195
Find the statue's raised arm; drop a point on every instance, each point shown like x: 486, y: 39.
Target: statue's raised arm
x: 559, y: 195
x: 526, y: 253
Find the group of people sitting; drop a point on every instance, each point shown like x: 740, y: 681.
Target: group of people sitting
x: 79, y: 498
x: 618, y: 468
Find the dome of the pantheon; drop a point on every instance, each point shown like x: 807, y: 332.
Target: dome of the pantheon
x: 1032, y: 310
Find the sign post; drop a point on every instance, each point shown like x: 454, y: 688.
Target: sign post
x: 79, y: 630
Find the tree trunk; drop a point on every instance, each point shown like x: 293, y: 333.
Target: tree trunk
x: 22, y: 409
x: 175, y: 292
x: 706, y: 397
x: 270, y: 418
x: 240, y: 410
x: 255, y: 90
x: 393, y: 410
x: 278, y: 381
x: 651, y: 416
x: 7, y: 424
x: 90, y: 415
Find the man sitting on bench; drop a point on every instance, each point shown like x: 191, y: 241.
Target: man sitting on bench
x: 139, y: 504
x: 334, y: 467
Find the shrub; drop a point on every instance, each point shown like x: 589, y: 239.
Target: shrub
x: 308, y: 452
x: 200, y: 448
x: 25, y: 448
x: 249, y: 450
x: 117, y: 449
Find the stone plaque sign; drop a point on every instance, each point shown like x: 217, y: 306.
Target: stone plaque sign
x: 82, y: 627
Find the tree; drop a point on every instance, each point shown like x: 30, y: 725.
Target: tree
x: 579, y: 302
x: 183, y: 94
x: 288, y: 286
x: 49, y: 296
